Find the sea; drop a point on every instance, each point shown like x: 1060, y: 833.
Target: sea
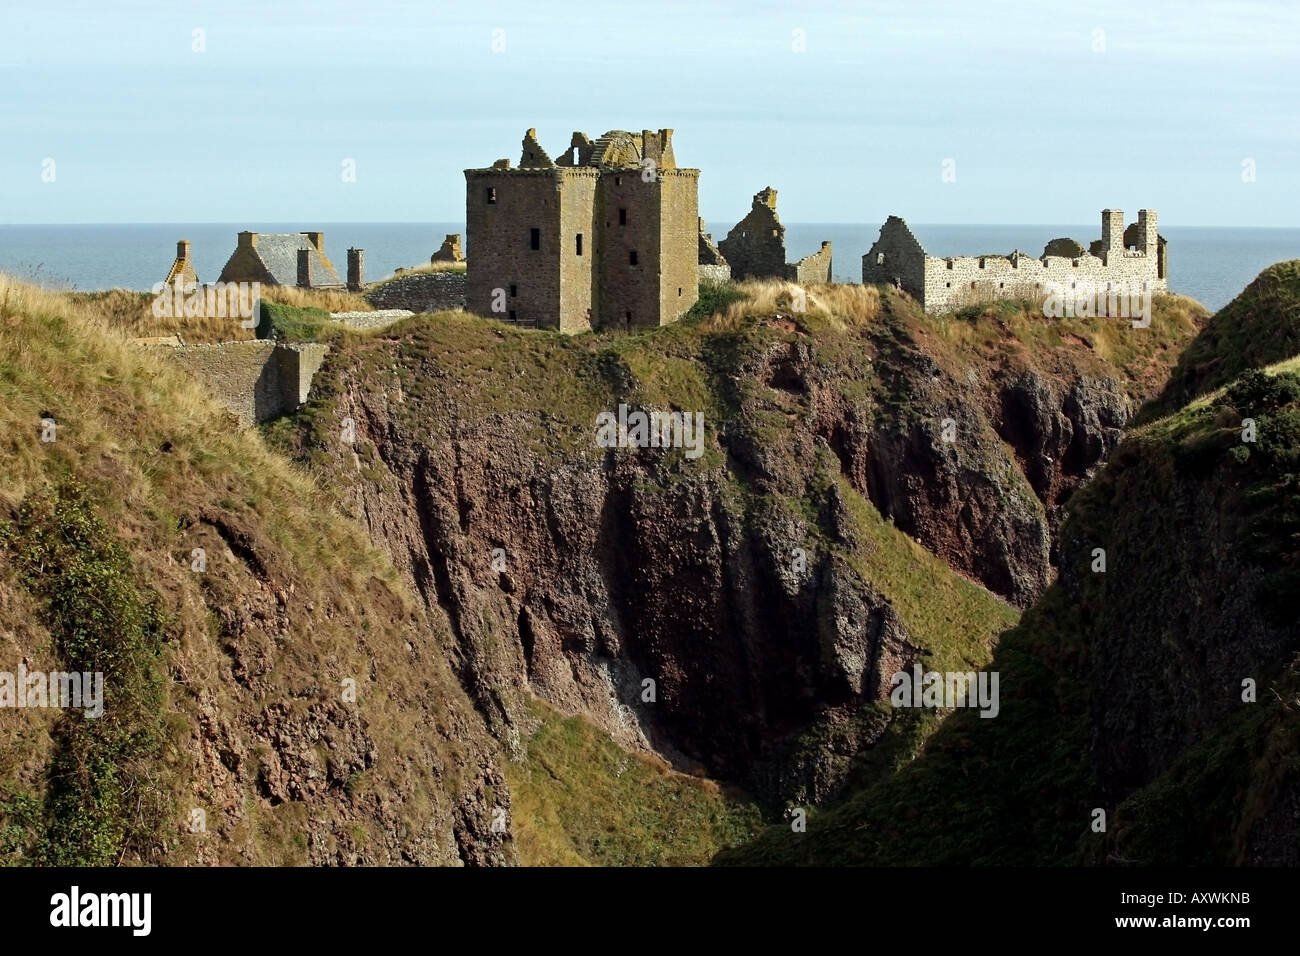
x: 1209, y: 263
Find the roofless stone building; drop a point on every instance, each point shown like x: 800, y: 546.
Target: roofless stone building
x: 1132, y: 258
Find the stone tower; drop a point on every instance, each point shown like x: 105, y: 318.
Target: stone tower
x: 607, y: 235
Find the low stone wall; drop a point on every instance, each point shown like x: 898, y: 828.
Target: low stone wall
x: 715, y: 273
x: 379, y: 319
x: 420, y: 292
x: 257, y: 380
x: 813, y: 268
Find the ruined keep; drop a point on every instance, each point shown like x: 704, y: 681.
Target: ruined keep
x: 292, y: 259
x: 1134, y: 257
x: 450, y: 250
x: 607, y: 235
x: 755, y: 247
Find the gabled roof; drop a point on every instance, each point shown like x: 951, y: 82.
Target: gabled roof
x: 279, y: 253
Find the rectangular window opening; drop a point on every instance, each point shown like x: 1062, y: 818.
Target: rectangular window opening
x: 622, y: 217
x: 579, y: 243
x: 491, y: 195
x: 514, y: 290
x: 631, y: 258
x: 535, y: 239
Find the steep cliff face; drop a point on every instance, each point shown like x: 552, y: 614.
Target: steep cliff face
x: 1155, y: 682
x: 271, y: 694
x: 766, y: 589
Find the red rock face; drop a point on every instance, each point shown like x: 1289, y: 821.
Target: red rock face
x: 617, y: 568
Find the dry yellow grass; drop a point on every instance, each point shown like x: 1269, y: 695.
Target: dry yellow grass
x: 131, y: 313
x: 331, y: 300
x: 839, y: 305
x: 437, y: 267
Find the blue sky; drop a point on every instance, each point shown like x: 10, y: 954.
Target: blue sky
x: 1042, y: 125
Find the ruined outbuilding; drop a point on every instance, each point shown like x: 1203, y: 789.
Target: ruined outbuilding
x: 755, y: 247
x: 1134, y: 258
x: 449, y: 251
x: 605, y: 235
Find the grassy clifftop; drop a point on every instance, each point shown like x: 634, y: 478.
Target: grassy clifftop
x: 1260, y: 327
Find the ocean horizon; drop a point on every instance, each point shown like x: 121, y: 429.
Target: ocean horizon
x: 1209, y: 263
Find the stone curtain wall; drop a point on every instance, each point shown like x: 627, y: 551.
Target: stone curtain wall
x: 962, y: 280
x: 257, y: 380
x: 943, y: 284
x: 421, y: 292
x: 813, y: 268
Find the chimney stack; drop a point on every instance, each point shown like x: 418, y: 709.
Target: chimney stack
x: 317, y: 239
x: 1148, y: 238
x: 183, y: 250
x: 247, y: 240
x: 356, y: 269
x: 1112, y: 233
x: 304, y: 268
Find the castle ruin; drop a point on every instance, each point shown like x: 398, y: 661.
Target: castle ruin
x: 755, y: 247
x: 1133, y: 259
x: 607, y: 235
x: 449, y: 251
